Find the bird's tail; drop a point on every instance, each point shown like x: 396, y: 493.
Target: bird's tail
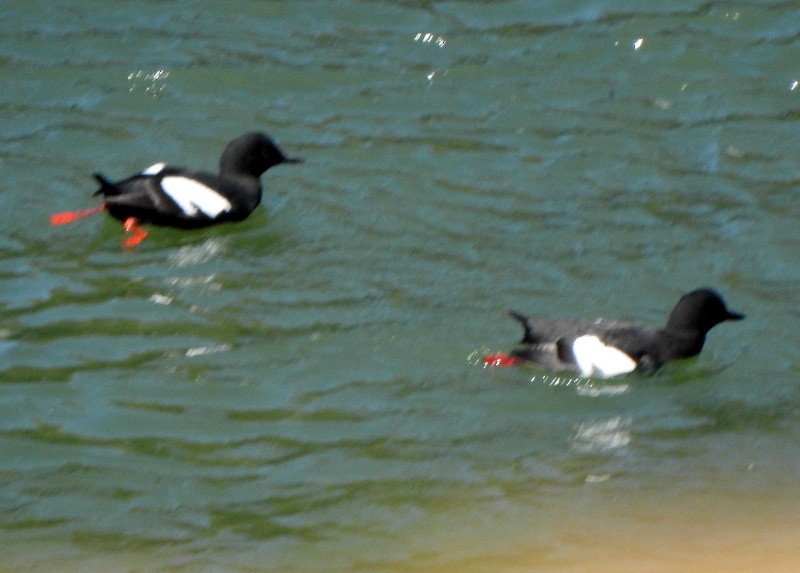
x: 107, y: 188
x: 529, y: 336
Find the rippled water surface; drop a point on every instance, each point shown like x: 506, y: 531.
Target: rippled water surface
x: 304, y: 391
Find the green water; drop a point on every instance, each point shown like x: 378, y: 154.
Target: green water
x: 303, y: 391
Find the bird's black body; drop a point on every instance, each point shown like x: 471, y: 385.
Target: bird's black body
x: 184, y: 198
x: 550, y: 343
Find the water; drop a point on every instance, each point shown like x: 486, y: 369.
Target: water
x: 303, y: 391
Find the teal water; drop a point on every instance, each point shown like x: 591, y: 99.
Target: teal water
x: 304, y: 391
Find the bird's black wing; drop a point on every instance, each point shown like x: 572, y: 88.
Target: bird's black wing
x: 139, y: 196
x: 539, y: 330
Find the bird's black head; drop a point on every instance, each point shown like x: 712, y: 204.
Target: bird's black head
x: 252, y: 154
x: 700, y: 310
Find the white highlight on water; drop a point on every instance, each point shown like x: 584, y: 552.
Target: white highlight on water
x: 602, y: 435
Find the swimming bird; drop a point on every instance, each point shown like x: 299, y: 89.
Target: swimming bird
x: 185, y: 198
x: 606, y: 347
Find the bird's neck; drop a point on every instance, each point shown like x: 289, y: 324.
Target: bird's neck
x: 683, y: 343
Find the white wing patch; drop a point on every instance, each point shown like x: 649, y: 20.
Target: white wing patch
x: 154, y: 169
x: 595, y: 358
x: 192, y: 196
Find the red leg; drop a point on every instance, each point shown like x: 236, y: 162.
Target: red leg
x: 131, y: 225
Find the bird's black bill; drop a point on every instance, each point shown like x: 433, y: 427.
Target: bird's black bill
x: 293, y: 160
x: 735, y: 316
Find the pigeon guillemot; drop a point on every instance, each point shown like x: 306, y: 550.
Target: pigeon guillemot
x: 177, y: 197
x: 606, y: 347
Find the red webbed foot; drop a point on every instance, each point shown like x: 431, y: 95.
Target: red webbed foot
x: 499, y: 360
x: 70, y: 216
x: 131, y: 225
